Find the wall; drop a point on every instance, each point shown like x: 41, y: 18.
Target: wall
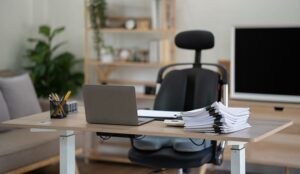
x: 20, y: 20
x: 68, y: 13
x: 15, y: 19
x: 219, y: 16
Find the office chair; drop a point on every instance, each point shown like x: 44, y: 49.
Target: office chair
x: 183, y: 90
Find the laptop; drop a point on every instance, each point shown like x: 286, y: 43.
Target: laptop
x: 106, y: 104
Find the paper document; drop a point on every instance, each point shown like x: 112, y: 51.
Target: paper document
x: 158, y: 114
x: 216, y: 118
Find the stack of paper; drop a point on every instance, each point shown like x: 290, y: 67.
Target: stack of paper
x: 216, y: 118
x: 158, y: 114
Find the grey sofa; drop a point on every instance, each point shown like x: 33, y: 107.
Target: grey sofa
x: 20, y: 148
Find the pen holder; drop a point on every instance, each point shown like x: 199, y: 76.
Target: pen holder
x: 58, y: 111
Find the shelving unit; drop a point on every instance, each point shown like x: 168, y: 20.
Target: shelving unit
x: 115, y: 149
x: 164, y: 32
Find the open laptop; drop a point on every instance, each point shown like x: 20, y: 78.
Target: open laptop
x: 106, y: 104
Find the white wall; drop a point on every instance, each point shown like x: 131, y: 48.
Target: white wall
x: 219, y: 16
x: 19, y: 18
x: 15, y: 27
x: 68, y: 13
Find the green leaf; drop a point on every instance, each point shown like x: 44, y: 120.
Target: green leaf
x: 45, y: 30
x: 42, y: 49
x: 58, y: 45
x: 78, y: 78
x: 65, y: 57
x: 40, y: 70
x: 56, y: 31
x: 37, y: 58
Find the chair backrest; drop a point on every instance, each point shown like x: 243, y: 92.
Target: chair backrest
x: 187, y: 89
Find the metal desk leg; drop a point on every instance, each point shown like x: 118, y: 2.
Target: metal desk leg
x: 238, y: 162
x: 67, y: 153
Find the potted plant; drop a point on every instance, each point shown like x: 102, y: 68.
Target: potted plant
x: 97, y: 10
x: 51, y: 72
x: 107, y: 54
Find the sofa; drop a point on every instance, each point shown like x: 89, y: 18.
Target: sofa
x: 20, y: 149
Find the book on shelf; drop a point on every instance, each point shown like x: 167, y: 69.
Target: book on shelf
x: 159, y: 51
x: 169, y: 14
x: 154, y: 51
x: 155, y: 14
x: 165, y: 55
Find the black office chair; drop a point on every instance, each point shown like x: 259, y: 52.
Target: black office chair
x: 183, y: 90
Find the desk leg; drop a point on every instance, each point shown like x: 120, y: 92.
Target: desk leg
x: 67, y: 153
x: 238, y: 162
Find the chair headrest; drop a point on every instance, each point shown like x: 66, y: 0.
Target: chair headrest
x: 195, y: 40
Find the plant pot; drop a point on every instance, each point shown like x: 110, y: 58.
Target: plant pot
x: 107, y: 58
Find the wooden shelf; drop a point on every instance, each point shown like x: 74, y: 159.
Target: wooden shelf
x: 92, y: 154
x: 123, y: 30
x: 144, y: 96
x: 130, y: 82
x: 135, y: 64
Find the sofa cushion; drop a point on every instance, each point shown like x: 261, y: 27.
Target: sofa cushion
x: 20, y: 96
x: 20, y: 147
x: 4, y: 115
x: 19, y: 139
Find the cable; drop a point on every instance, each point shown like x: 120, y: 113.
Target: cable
x: 139, y: 137
x: 203, y: 141
x: 157, y: 171
x: 103, y: 138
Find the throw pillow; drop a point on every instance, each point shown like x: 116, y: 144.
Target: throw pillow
x: 4, y: 115
x: 20, y: 96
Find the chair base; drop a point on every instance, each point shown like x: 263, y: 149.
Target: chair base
x: 168, y: 158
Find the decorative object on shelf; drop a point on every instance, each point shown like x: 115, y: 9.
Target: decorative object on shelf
x: 130, y: 24
x: 114, y: 22
x: 150, y: 90
x: 138, y: 55
x: 97, y: 10
x: 143, y: 24
x: 50, y: 72
x: 107, y: 54
x: 153, y: 56
x: 124, y: 54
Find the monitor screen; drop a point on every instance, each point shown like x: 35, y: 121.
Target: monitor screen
x: 266, y: 63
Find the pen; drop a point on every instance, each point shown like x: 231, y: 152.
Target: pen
x: 64, y: 99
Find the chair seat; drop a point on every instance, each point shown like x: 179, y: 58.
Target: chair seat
x: 168, y: 158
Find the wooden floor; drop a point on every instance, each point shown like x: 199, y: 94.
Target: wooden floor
x: 109, y: 168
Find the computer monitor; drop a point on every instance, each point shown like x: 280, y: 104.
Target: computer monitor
x: 265, y: 63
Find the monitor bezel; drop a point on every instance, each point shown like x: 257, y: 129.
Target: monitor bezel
x: 255, y: 96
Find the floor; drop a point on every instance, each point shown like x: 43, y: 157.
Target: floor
x: 110, y: 168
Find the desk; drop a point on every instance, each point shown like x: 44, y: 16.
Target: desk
x: 261, y: 128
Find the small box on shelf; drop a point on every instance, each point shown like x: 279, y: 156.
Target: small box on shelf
x: 150, y: 90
